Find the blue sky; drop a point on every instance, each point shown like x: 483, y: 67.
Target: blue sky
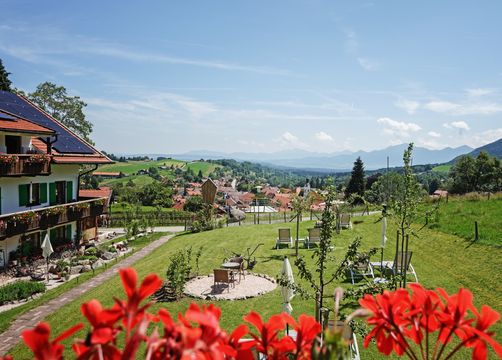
x: 263, y: 76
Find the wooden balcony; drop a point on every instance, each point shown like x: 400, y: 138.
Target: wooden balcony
x: 42, y: 219
x: 25, y: 165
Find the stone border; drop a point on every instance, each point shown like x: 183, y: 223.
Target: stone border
x: 242, y: 297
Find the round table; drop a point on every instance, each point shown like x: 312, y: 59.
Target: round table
x: 231, y: 265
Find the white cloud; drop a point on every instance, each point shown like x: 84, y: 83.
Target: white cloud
x: 289, y: 140
x: 409, y: 106
x: 322, y: 136
x: 461, y: 125
x: 450, y: 108
x: 478, y: 92
x: 400, y: 128
x: 367, y: 64
x: 485, y: 137
x: 434, y: 134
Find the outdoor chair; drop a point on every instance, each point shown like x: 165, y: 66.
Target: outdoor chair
x: 284, y: 238
x: 360, y: 269
x: 349, y: 336
x: 314, y: 237
x: 240, y: 260
x: 345, y: 222
x: 405, y: 259
x: 223, y: 276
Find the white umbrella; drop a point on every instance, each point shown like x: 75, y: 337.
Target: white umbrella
x: 287, y: 292
x: 384, y: 232
x: 47, y: 251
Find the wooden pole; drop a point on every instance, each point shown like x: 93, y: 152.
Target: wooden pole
x: 476, y: 234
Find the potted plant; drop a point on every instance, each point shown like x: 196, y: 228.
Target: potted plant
x: 6, y: 161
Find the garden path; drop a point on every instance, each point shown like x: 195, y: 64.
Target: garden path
x: 30, y: 319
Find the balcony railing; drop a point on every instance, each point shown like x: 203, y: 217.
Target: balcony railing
x: 25, y: 164
x: 41, y: 219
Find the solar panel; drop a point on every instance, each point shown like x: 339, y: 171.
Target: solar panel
x: 6, y: 117
x: 66, y: 142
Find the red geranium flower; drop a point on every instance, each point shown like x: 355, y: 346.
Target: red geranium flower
x: 38, y: 341
x: 307, y: 329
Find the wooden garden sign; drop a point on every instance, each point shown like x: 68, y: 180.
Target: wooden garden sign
x: 209, y: 190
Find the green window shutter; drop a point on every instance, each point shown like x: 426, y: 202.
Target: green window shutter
x: 53, y: 234
x: 69, y: 191
x: 68, y: 232
x: 52, y: 193
x: 24, y: 194
x: 43, y: 193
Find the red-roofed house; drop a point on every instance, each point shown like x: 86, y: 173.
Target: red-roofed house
x: 41, y: 162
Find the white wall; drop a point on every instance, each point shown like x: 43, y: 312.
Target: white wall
x: 11, y: 244
x: 25, y: 142
x: 10, y: 189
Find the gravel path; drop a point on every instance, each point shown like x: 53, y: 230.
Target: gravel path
x: 11, y: 336
x: 250, y: 286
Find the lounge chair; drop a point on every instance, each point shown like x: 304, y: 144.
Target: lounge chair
x: 345, y: 222
x: 361, y: 268
x: 314, y: 237
x: 284, y: 238
x: 405, y: 259
x: 223, y: 276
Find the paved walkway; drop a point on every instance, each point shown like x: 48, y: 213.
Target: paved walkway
x: 29, y: 319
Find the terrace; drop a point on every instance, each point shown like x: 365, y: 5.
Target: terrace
x: 25, y: 221
x: 25, y: 165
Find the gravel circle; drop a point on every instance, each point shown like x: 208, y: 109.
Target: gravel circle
x: 250, y: 286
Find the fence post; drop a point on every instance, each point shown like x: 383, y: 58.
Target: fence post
x: 476, y: 234
x: 284, y: 213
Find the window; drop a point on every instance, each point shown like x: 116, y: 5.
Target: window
x: 13, y: 144
x: 32, y: 194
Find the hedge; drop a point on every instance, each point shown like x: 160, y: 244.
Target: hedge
x: 20, y: 290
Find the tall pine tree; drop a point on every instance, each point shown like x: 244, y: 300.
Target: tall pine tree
x: 356, y: 184
x: 5, y: 83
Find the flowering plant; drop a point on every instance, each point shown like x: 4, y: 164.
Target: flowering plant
x: 53, y: 211
x: 8, y: 159
x: 198, y: 335
x: 23, y: 218
x: 403, y: 318
x: 79, y: 206
x: 38, y: 159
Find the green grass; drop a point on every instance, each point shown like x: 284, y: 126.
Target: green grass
x: 206, y: 168
x: 136, y: 179
x: 440, y: 259
x: 132, y: 167
x: 457, y: 217
x: 8, y: 316
x: 442, y: 168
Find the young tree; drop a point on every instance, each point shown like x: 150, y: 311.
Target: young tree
x: 5, y: 83
x: 356, y: 184
x: 67, y: 109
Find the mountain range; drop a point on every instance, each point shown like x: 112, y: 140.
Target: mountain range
x: 343, y: 161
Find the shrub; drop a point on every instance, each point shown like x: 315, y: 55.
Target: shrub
x: 20, y: 290
x: 112, y: 249
x: 92, y: 251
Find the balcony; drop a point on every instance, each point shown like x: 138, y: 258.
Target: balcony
x: 41, y: 219
x: 25, y: 164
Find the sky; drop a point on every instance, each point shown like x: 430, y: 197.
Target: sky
x: 265, y: 76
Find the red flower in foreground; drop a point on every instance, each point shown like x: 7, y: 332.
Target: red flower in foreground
x: 38, y: 341
x: 397, y: 316
x: 267, y: 341
x: 307, y: 329
x: 132, y: 310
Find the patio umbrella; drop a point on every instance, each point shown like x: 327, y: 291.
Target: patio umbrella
x: 46, y: 252
x: 287, y: 292
x: 384, y: 240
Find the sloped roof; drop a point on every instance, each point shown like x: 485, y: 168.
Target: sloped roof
x: 14, y: 124
x: 96, y: 193
x: 67, y: 147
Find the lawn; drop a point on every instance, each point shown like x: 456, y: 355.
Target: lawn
x: 442, y: 168
x: 206, y: 168
x: 132, y: 167
x: 457, y: 217
x: 440, y: 259
x: 8, y: 316
x: 136, y: 179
